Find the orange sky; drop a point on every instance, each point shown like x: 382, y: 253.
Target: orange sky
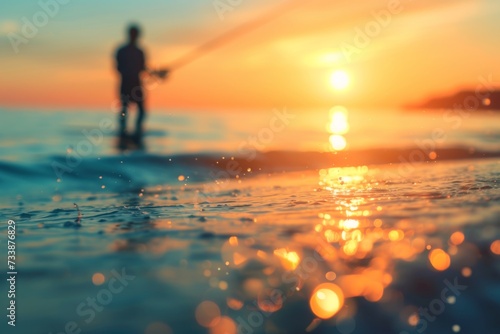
x: 428, y: 47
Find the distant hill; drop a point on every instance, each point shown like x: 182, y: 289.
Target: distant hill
x: 466, y: 99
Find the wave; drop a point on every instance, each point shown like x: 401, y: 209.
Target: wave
x: 135, y: 170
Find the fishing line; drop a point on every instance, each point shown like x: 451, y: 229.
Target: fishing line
x: 238, y: 31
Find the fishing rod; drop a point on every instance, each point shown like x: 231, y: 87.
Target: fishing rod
x: 224, y: 38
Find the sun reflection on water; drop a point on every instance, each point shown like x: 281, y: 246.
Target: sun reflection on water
x: 338, y: 126
x: 349, y: 253
x: 366, y: 245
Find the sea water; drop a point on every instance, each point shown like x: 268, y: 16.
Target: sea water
x: 245, y: 222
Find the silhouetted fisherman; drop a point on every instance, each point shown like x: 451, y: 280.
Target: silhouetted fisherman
x: 130, y: 63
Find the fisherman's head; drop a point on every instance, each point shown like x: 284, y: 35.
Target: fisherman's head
x: 133, y: 33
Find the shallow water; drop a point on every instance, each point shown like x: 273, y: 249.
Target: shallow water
x: 247, y: 254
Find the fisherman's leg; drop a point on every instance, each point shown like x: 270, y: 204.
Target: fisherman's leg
x: 141, y: 113
x: 122, y: 117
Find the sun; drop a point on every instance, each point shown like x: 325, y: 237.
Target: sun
x: 339, y: 80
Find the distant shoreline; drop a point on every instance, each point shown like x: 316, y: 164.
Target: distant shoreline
x: 473, y: 100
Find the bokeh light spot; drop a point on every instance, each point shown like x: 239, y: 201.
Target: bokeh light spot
x: 439, y: 259
x: 495, y: 247
x: 207, y: 314
x: 330, y: 276
x: 395, y: 235
x: 326, y: 300
x: 98, y: 279
x: 413, y: 319
x: 234, y: 303
x: 225, y: 325
x: 289, y: 259
x: 457, y: 238
x: 466, y: 272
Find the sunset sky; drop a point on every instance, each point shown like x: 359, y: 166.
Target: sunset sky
x: 427, y: 47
